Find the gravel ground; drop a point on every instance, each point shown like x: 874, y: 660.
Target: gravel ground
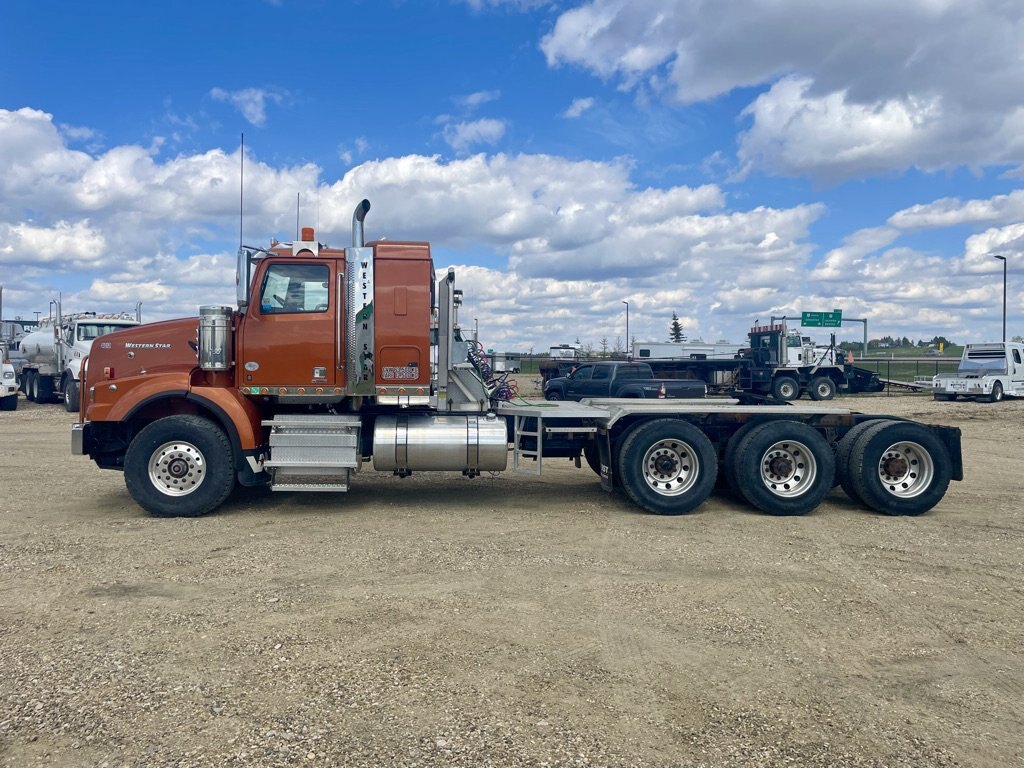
x: 508, y: 621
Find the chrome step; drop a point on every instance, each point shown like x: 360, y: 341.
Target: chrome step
x: 313, y: 452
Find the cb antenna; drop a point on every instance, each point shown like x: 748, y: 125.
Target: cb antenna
x: 241, y: 188
x: 297, y: 194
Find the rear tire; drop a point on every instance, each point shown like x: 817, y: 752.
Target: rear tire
x: 899, y: 468
x: 667, y: 466
x: 997, y: 393
x: 844, y: 449
x: 788, y: 467
x: 179, y: 466
x: 822, y: 388
x: 31, y: 386
x: 785, y: 388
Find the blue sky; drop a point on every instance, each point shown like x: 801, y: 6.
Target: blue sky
x: 717, y: 161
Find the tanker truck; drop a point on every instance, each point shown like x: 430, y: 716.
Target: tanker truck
x: 335, y: 359
x: 50, y: 359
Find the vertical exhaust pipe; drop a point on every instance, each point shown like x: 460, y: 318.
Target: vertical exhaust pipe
x: 357, y: 223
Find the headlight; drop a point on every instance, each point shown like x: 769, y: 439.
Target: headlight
x: 8, y: 375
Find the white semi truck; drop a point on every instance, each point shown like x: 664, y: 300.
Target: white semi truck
x: 50, y: 359
x: 988, y: 371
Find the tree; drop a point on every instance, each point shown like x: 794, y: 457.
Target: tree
x: 617, y: 349
x: 675, y: 332
x: 604, y: 346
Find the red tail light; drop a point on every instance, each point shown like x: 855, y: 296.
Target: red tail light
x: 661, y: 391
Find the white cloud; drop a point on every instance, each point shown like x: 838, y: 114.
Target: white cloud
x: 557, y: 244
x: 856, y: 88
x: 473, y: 100
x: 578, y: 107
x: 251, y: 102
x: 462, y: 136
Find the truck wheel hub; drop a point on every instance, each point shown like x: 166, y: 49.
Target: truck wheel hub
x: 670, y: 467
x: 906, y: 469
x: 789, y: 468
x: 177, y: 468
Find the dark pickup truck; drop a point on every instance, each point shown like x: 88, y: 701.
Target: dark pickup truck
x: 619, y: 379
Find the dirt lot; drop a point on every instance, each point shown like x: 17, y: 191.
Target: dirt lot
x: 509, y: 620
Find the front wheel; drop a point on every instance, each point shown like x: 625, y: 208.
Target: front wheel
x: 667, y: 466
x: 9, y: 403
x: 785, y: 388
x: 71, y: 391
x: 179, y: 466
x: 784, y: 468
x: 899, y: 468
x: 553, y: 394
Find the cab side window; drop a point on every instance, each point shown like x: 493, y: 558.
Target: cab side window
x: 1016, y: 357
x: 602, y: 372
x: 295, y: 288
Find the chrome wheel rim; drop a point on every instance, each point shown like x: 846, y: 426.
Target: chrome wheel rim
x: 788, y: 468
x: 671, y: 467
x: 906, y: 469
x: 177, y: 468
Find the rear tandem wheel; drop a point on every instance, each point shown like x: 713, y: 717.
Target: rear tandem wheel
x: 667, y: 466
x: 784, y: 467
x: 899, y: 468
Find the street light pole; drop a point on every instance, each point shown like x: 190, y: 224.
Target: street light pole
x: 476, y: 329
x: 1003, y: 259
x: 629, y: 351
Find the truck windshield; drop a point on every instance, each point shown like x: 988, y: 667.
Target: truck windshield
x: 90, y: 331
x: 983, y: 361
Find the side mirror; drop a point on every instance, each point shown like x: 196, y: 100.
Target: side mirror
x: 243, y: 267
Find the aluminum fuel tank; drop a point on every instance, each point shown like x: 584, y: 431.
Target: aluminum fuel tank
x: 472, y: 443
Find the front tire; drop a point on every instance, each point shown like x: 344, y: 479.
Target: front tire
x: 786, y: 467
x: 71, y: 396
x: 899, y: 468
x: 553, y: 394
x: 9, y: 403
x: 785, y: 388
x: 822, y: 388
x: 667, y: 466
x: 179, y: 466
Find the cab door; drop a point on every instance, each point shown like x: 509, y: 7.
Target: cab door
x: 289, y: 333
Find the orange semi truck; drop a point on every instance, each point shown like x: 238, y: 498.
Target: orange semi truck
x: 339, y: 358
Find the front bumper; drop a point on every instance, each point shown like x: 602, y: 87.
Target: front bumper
x: 78, y: 435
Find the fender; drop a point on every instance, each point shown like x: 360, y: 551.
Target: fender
x: 131, y: 394
x: 236, y: 412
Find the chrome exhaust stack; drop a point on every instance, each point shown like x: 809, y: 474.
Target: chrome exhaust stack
x: 357, y: 223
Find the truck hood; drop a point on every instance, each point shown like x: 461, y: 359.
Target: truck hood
x: 151, y: 348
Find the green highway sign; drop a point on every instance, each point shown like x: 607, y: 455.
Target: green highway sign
x: 832, y: 319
